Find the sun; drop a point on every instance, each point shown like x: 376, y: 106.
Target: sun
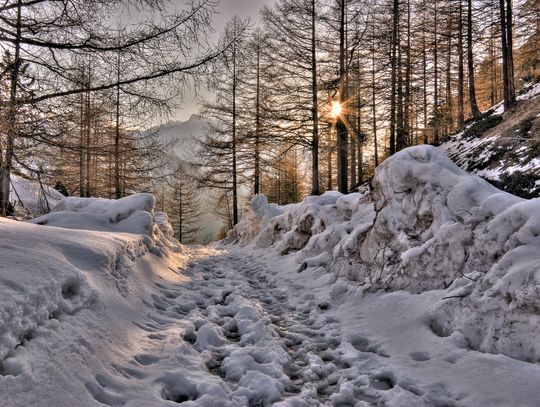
x: 336, y: 109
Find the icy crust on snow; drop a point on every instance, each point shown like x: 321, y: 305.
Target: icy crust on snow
x: 425, y: 225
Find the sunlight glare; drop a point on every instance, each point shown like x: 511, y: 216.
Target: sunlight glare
x: 336, y: 109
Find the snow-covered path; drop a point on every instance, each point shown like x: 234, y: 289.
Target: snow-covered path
x: 241, y: 328
x: 258, y: 344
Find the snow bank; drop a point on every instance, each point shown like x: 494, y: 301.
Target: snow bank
x: 70, y: 297
x: 132, y: 214
x: 424, y: 225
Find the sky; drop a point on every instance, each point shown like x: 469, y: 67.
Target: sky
x: 226, y: 10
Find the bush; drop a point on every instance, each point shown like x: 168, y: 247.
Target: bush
x: 481, y: 126
x: 518, y: 183
x: 524, y: 128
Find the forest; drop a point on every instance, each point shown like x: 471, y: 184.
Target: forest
x: 310, y: 97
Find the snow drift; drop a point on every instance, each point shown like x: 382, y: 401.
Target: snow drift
x: 424, y: 224
x: 132, y: 214
x: 70, y: 296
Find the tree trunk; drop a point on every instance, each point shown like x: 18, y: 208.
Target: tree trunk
x: 460, y: 97
x: 180, y: 213
x: 82, y: 133
x: 341, y: 127
x: 12, y: 130
x: 400, y: 125
x: 329, y: 163
x: 234, y: 169
x: 314, y: 108
x: 436, y: 82
x: 374, y: 101
x: 257, y: 177
x: 510, y: 44
x: 475, y: 112
x: 88, y: 141
x: 507, y: 53
x: 393, y: 63
x: 450, y: 118
x: 117, y: 189
x: 424, y: 76
x: 407, y: 109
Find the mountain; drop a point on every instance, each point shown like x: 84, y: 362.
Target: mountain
x: 183, y: 134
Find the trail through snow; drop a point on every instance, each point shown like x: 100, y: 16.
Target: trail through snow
x: 239, y: 329
x: 250, y: 334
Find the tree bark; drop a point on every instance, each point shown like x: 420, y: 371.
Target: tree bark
x: 257, y: 175
x: 234, y: 169
x: 507, y: 53
x: 407, y: 109
x: 393, y: 63
x: 436, y: 81
x: 12, y: 130
x: 374, y: 100
x: 475, y: 112
x: 314, y: 108
x: 460, y: 97
x: 117, y: 188
x: 341, y: 127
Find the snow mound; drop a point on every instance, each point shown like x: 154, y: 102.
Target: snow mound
x: 424, y: 225
x: 69, y: 304
x: 132, y: 214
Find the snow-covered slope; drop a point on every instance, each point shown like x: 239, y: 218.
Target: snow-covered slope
x: 425, y: 225
x: 30, y: 198
x: 503, y: 147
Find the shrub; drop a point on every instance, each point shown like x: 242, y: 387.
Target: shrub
x: 481, y: 126
x: 518, y: 183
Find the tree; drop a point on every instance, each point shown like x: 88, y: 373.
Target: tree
x: 49, y: 36
x: 506, y: 23
x: 475, y: 112
x: 220, y: 149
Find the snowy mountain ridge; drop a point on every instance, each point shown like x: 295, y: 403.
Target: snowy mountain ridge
x: 424, y: 225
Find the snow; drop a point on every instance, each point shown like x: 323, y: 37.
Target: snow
x: 421, y: 291
x: 531, y: 93
x: 30, y: 198
x: 426, y: 225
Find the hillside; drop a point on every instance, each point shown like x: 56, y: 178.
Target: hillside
x: 503, y: 148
